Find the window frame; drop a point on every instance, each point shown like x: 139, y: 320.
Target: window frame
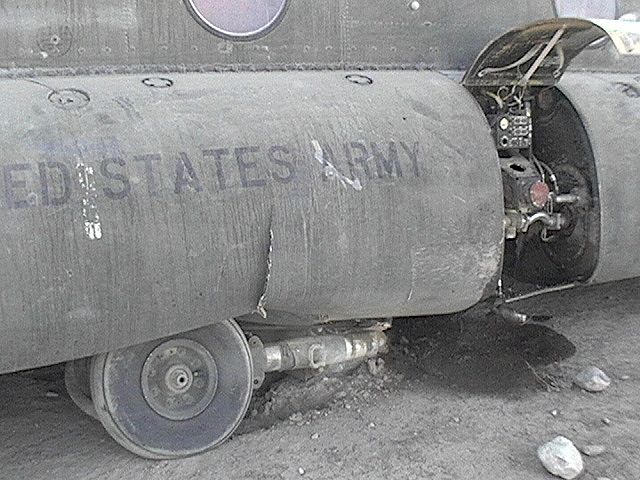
x: 237, y: 37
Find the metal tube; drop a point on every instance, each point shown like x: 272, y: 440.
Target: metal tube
x: 547, y: 50
x: 566, y: 198
x: 538, y: 293
x: 321, y: 351
x: 553, y: 222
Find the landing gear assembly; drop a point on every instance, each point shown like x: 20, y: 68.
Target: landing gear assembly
x: 183, y: 395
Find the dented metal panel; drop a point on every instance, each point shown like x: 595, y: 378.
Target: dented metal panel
x: 408, y: 227
x: 134, y: 208
x: 608, y: 105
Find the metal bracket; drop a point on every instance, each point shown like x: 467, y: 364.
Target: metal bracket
x: 259, y: 360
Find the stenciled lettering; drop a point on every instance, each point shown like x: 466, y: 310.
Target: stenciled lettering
x: 45, y: 171
x: 186, y: 175
x: 232, y: 167
x: 125, y: 188
x: 148, y: 161
x: 277, y: 155
x: 357, y: 156
x: 412, y: 152
x: 386, y: 164
x: 245, y: 167
x: 13, y: 184
x: 218, y: 154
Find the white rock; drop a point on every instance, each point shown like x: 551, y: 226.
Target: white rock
x: 592, y: 379
x: 593, y: 450
x: 375, y: 366
x: 561, y: 458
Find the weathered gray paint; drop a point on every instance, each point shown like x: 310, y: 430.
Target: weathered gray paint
x: 426, y: 242
x: 609, y: 106
x: 166, y: 261
x: 154, y: 35
x: 151, y: 32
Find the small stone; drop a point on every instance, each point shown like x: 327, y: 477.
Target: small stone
x: 51, y: 394
x: 456, y: 419
x: 593, y: 450
x: 415, y: 5
x: 606, y: 421
x: 296, y: 417
x: 625, y: 377
x: 592, y: 379
x: 554, y: 413
x: 561, y: 458
x: 372, y: 425
x: 375, y: 366
x: 301, y: 471
x: 315, y: 436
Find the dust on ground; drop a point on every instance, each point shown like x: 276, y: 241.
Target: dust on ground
x: 458, y: 397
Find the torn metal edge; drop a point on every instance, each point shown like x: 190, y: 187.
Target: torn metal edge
x: 260, y: 308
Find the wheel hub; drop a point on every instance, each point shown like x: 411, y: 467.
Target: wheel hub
x: 179, y: 379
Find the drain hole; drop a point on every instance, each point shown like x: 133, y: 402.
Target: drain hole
x: 359, y: 79
x: 158, y: 82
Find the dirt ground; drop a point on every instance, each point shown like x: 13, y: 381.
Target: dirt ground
x: 462, y: 397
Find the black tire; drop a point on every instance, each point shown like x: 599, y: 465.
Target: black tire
x: 76, y: 379
x: 145, y: 412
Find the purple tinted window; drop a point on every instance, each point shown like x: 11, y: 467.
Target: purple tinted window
x: 238, y: 18
x: 587, y: 8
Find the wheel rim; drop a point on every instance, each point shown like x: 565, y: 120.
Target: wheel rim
x: 181, y: 419
x: 179, y: 379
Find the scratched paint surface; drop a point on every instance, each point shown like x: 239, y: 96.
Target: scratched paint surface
x: 122, y: 226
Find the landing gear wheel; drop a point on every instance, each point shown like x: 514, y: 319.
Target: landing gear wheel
x: 175, y: 397
x: 76, y: 379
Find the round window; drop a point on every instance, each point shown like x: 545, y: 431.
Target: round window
x: 238, y: 19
